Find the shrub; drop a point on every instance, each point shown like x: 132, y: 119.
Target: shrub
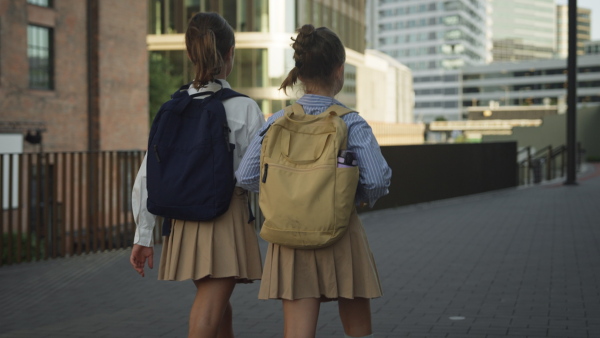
x: 23, y: 254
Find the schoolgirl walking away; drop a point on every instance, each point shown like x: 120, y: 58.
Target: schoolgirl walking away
x: 218, y: 253
x: 344, y: 271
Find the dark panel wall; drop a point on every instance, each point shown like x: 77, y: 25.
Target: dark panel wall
x: 423, y: 173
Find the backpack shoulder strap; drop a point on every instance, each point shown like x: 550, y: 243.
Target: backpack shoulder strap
x: 338, y: 110
x: 295, y: 108
x: 226, y: 93
x: 180, y: 99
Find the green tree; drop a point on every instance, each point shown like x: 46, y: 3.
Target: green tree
x: 162, y: 82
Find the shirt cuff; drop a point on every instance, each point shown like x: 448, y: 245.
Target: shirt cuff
x: 144, y: 237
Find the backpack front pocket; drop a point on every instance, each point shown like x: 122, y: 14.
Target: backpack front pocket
x: 290, y: 192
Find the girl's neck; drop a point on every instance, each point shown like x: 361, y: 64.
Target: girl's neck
x: 322, y: 92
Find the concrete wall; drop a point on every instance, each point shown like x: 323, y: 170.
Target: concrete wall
x: 553, y: 132
x: 384, y: 89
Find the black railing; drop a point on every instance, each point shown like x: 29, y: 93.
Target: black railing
x: 545, y: 164
x: 62, y: 204
x: 69, y: 203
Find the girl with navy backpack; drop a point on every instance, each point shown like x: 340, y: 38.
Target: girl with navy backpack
x: 218, y: 253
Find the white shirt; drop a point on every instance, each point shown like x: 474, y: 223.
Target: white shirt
x: 244, y: 118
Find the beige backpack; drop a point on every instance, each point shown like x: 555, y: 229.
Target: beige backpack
x: 305, y: 198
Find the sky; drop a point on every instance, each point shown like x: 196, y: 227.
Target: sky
x: 594, y: 5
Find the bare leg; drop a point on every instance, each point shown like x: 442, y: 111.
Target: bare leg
x: 356, y: 316
x: 300, y: 317
x: 226, y: 328
x: 210, y: 307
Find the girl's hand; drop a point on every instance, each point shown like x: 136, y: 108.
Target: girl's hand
x: 138, y: 258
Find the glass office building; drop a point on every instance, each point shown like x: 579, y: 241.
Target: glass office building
x: 263, y: 29
x: 530, y: 83
x: 523, y: 30
x: 434, y: 39
x: 584, y: 33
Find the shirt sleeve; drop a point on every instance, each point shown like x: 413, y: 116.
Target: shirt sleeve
x: 144, y: 220
x: 248, y: 173
x: 375, y: 174
x: 256, y: 121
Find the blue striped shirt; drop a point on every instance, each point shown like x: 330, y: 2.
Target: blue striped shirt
x: 375, y: 174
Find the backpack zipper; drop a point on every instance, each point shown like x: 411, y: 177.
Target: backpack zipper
x: 319, y: 167
x: 226, y: 132
x: 264, y: 179
x: 156, y: 153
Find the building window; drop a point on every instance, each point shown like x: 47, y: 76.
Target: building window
x: 40, y: 55
x: 42, y: 3
x: 450, y: 91
x: 349, y: 80
x: 451, y: 104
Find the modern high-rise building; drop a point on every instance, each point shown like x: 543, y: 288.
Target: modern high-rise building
x: 434, y: 39
x: 263, y: 58
x: 530, y: 83
x: 523, y: 30
x: 562, y: 30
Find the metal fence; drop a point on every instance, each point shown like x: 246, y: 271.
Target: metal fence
x: 69, y: 203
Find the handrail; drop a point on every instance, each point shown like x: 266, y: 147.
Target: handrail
x: 546, y: 163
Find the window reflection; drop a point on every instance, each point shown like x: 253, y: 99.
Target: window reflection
x: 252, y: 68
x: 172, y: 16
x: 39, y: 53
x: 349, y: 79
x: 42, y: 3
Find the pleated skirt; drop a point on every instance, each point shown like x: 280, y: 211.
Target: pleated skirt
x: 345, y: 269
x: 226, y: 246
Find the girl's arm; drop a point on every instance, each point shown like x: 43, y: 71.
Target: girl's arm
x: 144, y: 220
x: 375, y: 174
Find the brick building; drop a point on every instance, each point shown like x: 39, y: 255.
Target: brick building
x: 77, y: 70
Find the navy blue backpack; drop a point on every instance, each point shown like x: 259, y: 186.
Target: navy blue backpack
x: 190, y: 160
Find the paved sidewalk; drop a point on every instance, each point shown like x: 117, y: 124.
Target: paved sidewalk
x: 513, y: 263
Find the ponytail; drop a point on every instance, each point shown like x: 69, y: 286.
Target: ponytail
x: 290, y: 80
x: 208, y: 39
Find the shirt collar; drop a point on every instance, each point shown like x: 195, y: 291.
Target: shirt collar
x: 210, y: 87
x: 318, y: 100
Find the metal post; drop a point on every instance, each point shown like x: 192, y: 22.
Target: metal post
x: 529, y: 165
x: 572, y: 96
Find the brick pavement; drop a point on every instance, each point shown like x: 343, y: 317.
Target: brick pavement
x: 513, y: 263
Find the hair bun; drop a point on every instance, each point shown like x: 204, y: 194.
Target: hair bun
x: 303, y: 41
x: 306, y: 30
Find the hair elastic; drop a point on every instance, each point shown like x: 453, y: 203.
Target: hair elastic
x: 298, y: 64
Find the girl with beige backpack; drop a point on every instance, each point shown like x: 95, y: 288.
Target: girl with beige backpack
x: 302, y: 163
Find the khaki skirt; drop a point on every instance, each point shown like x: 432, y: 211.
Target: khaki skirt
x: 345, y: 269
x: 224, y: 247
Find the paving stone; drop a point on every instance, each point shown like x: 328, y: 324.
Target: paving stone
x: 515, y: 263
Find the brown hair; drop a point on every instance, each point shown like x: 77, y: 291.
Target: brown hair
x: 317, y: 52
x: 208, y: 39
